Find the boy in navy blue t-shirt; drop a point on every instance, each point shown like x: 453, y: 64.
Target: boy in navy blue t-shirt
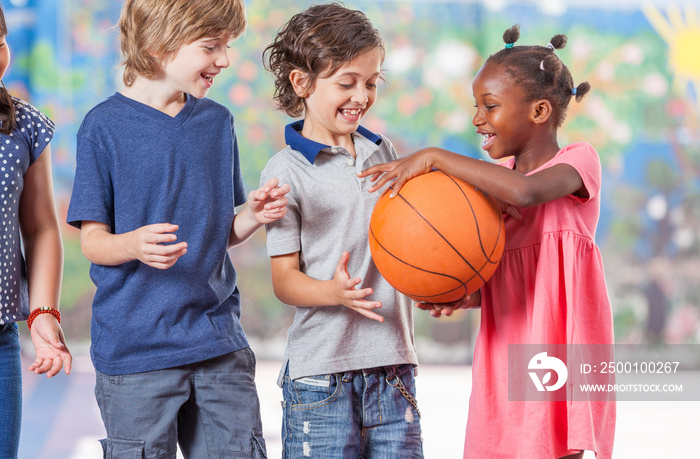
x: 156, y: 186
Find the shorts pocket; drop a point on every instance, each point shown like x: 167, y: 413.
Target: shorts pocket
x: 311, y: 391
x: 259, y: 448
x: 115, y: 448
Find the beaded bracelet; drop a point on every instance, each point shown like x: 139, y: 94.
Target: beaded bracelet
x: 37, y: 311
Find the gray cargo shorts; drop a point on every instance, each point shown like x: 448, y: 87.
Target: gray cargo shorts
x: 210, y: 408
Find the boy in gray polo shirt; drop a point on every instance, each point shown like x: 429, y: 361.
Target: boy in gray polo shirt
x: 348, y: 372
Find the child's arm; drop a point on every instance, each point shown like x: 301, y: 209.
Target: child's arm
x: 43, y: 250
x: 145, y: 244
x: 505, y: 184
x: 293, y: 287
x: 265, y: 205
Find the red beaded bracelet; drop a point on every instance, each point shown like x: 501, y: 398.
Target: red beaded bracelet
x: 37, y: 311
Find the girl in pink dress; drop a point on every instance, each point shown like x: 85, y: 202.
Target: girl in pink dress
x: 549, y: 287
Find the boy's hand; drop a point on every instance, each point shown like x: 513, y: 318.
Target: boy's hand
x: 50, y: 347
x: 446, y: 309
x: 348, y: 296
x: 268, y: 203
x: 147, y: 244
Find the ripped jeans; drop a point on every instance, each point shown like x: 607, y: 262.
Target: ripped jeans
x: 368, y: 413
x: 210, y: 408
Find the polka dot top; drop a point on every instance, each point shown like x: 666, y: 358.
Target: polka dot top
x: 18, y: 151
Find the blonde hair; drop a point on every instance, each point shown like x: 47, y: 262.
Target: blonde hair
x: 153, y: 30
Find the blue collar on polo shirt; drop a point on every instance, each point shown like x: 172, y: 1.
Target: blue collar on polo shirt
x: 309, y: 148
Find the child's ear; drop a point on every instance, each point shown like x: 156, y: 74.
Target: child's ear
x: 300, y: 82
x: 541, y: 111
x: 158, y: 60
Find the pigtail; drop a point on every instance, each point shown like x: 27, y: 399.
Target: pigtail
x: 581, y: 90
x: 550, y: 67
x: 7, y: 112
x: 558, y: 41
x: 511, y: 35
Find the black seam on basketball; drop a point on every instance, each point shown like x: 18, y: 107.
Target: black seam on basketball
x: 443, y: 237
x: 476, y: 222
x: 462, y: 284
x: 493, y: 249
x: 427, y: 297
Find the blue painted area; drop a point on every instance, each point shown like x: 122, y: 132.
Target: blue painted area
x: 639, y: 156
x: 605, y: 21
x: 460, y: 145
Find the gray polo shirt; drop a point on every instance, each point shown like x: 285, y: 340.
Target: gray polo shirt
x: 328, y: 213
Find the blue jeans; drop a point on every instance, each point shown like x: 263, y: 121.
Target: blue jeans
x: 210, y: 408
x: 10, y: 391
x: 356, y: 414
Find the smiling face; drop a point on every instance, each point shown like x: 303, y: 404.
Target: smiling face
x: 337, y: 103
x: 502, y: 114
x: 194, y: 66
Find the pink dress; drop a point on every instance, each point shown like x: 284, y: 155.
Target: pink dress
x: 548, y: 289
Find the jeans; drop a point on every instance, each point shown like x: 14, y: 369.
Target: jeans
x: 10, y: 391
x: 210, y: 408
x: 367, y: 413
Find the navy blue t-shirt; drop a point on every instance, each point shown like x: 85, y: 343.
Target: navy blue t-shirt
x: 137, y: 166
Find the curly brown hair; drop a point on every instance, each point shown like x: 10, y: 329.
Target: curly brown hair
x: 539, y: 72
x: 317, y: 41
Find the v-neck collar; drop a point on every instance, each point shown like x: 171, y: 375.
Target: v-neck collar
x: 154, y: 113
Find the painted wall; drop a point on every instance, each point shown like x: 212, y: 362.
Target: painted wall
x: 642, y: 116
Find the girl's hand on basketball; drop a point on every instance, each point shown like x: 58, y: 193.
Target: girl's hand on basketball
x: 438, y: 310
x: 400, y: 171
x: 446, y: 309
x: 347, y: 294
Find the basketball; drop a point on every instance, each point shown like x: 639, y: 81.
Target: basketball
x: 438, y: 239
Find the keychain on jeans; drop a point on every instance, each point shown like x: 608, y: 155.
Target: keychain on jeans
x: 404, y: 392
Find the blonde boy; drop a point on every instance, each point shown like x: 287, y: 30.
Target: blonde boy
x: 156, y: 187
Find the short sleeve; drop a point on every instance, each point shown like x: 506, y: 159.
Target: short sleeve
x: 239, y: 193
x: 35, y: 128
x: 92, y: 198
x: 583, y: 157
x: 283, y: 235
x: 390, y: 146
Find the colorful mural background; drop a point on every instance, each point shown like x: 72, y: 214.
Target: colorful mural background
x: 642, y: 116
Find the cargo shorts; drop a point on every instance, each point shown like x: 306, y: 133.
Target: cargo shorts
x: 210, y: 408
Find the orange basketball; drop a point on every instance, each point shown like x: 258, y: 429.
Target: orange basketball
x: 438, y: 239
